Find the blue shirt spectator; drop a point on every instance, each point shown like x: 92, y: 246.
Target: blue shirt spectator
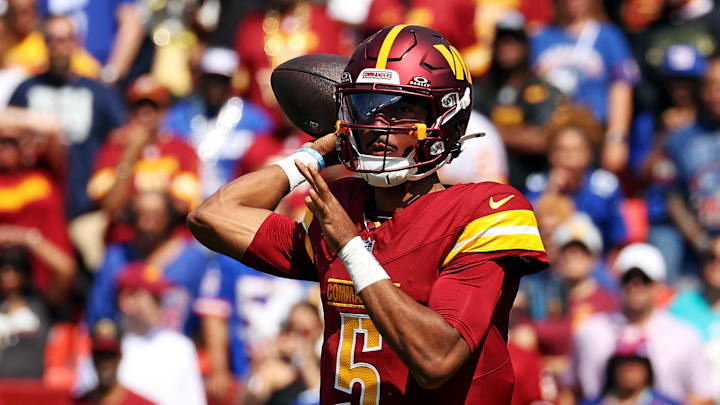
x: 87, y: 110
x: 184, y: 272
x: 698, y: 178
x: 253, y: 303
x: 599, y: 196
x: 220, y: 127
x: 585, y: 65
x: 219, y: 151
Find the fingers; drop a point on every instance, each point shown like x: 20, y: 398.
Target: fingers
x: 316, y: 204
x: 312, y: 175
x: 305, y: 172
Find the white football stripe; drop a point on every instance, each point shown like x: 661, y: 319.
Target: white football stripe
x: 498, y: 231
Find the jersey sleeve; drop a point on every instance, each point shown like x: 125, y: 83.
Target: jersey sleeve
x: 281, y: 247
x: 466, y: 294
x: 501, y: 224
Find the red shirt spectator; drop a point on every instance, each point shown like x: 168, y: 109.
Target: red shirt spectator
x: 167, y: 164
x: 140, y: 157
x: 31, y: 201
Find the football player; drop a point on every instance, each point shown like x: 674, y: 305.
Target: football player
x: 417, y: 280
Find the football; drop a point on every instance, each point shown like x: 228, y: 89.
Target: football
x: 304, y: 88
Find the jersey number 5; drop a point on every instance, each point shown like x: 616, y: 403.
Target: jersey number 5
x: 347, y: 371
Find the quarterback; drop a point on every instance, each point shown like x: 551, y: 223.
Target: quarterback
x: 417, y: 279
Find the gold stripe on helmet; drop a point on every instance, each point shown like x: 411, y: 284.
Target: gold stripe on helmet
x: 387, y: 44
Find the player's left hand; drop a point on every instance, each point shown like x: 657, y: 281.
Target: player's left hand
x: 335, y: 222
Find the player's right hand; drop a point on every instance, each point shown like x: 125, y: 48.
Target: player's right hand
x: 325, y: 145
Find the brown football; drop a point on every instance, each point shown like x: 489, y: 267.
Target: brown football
x: 304, y: 88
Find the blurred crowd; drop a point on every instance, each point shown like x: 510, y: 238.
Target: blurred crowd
x: 117, y: 117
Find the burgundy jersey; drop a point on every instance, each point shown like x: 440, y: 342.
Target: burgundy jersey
x: 459, y: 251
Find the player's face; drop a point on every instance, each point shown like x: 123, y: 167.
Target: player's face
x: 385, y: 110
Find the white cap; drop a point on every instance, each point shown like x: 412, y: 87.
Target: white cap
x: 219, y: 61
x: 644, y: 257
x: 579, y: 228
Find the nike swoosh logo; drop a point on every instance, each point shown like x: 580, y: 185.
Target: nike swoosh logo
x: 497, y: 204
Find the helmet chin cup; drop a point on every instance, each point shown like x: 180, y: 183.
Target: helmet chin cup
x: 383, y: 171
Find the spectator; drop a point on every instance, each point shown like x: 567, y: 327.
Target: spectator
x: 680, y: 369
x: 699, y: 307
x: 113, y: 33
x: 30, y: 50
x: 578, y: 264
x: 686, y: 22
x: 106, y: 358
x: 629, y: 378
x: 24, y: 321
x: 158, y: 245
x: 573, y: 135
x: 157, y: 363
x: 87, y: 110
x: 518, y: 102
x: 590, y: 62
x: 140, y: 157
x: 694, y: 202
x: 552, y: 210
x: 288, y: 369
x: 562, y: 299
x: 683, y: 68
x: 32, y: 214
x: 219, y: 126
x: 241, y: 310
x: 286, y: 29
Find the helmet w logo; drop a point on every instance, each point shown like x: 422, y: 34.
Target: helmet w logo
x: 453, y: 58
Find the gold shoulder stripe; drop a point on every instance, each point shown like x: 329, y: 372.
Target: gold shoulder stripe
x: 387, y: 45
x: 505, y: 230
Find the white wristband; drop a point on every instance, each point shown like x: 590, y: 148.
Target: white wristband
x: 362, y: 266
x: 291, y: 171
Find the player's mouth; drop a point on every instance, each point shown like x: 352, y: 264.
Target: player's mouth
x: 379, y: 148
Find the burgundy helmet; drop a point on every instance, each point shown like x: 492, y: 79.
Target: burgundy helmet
x: 403, y: 79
